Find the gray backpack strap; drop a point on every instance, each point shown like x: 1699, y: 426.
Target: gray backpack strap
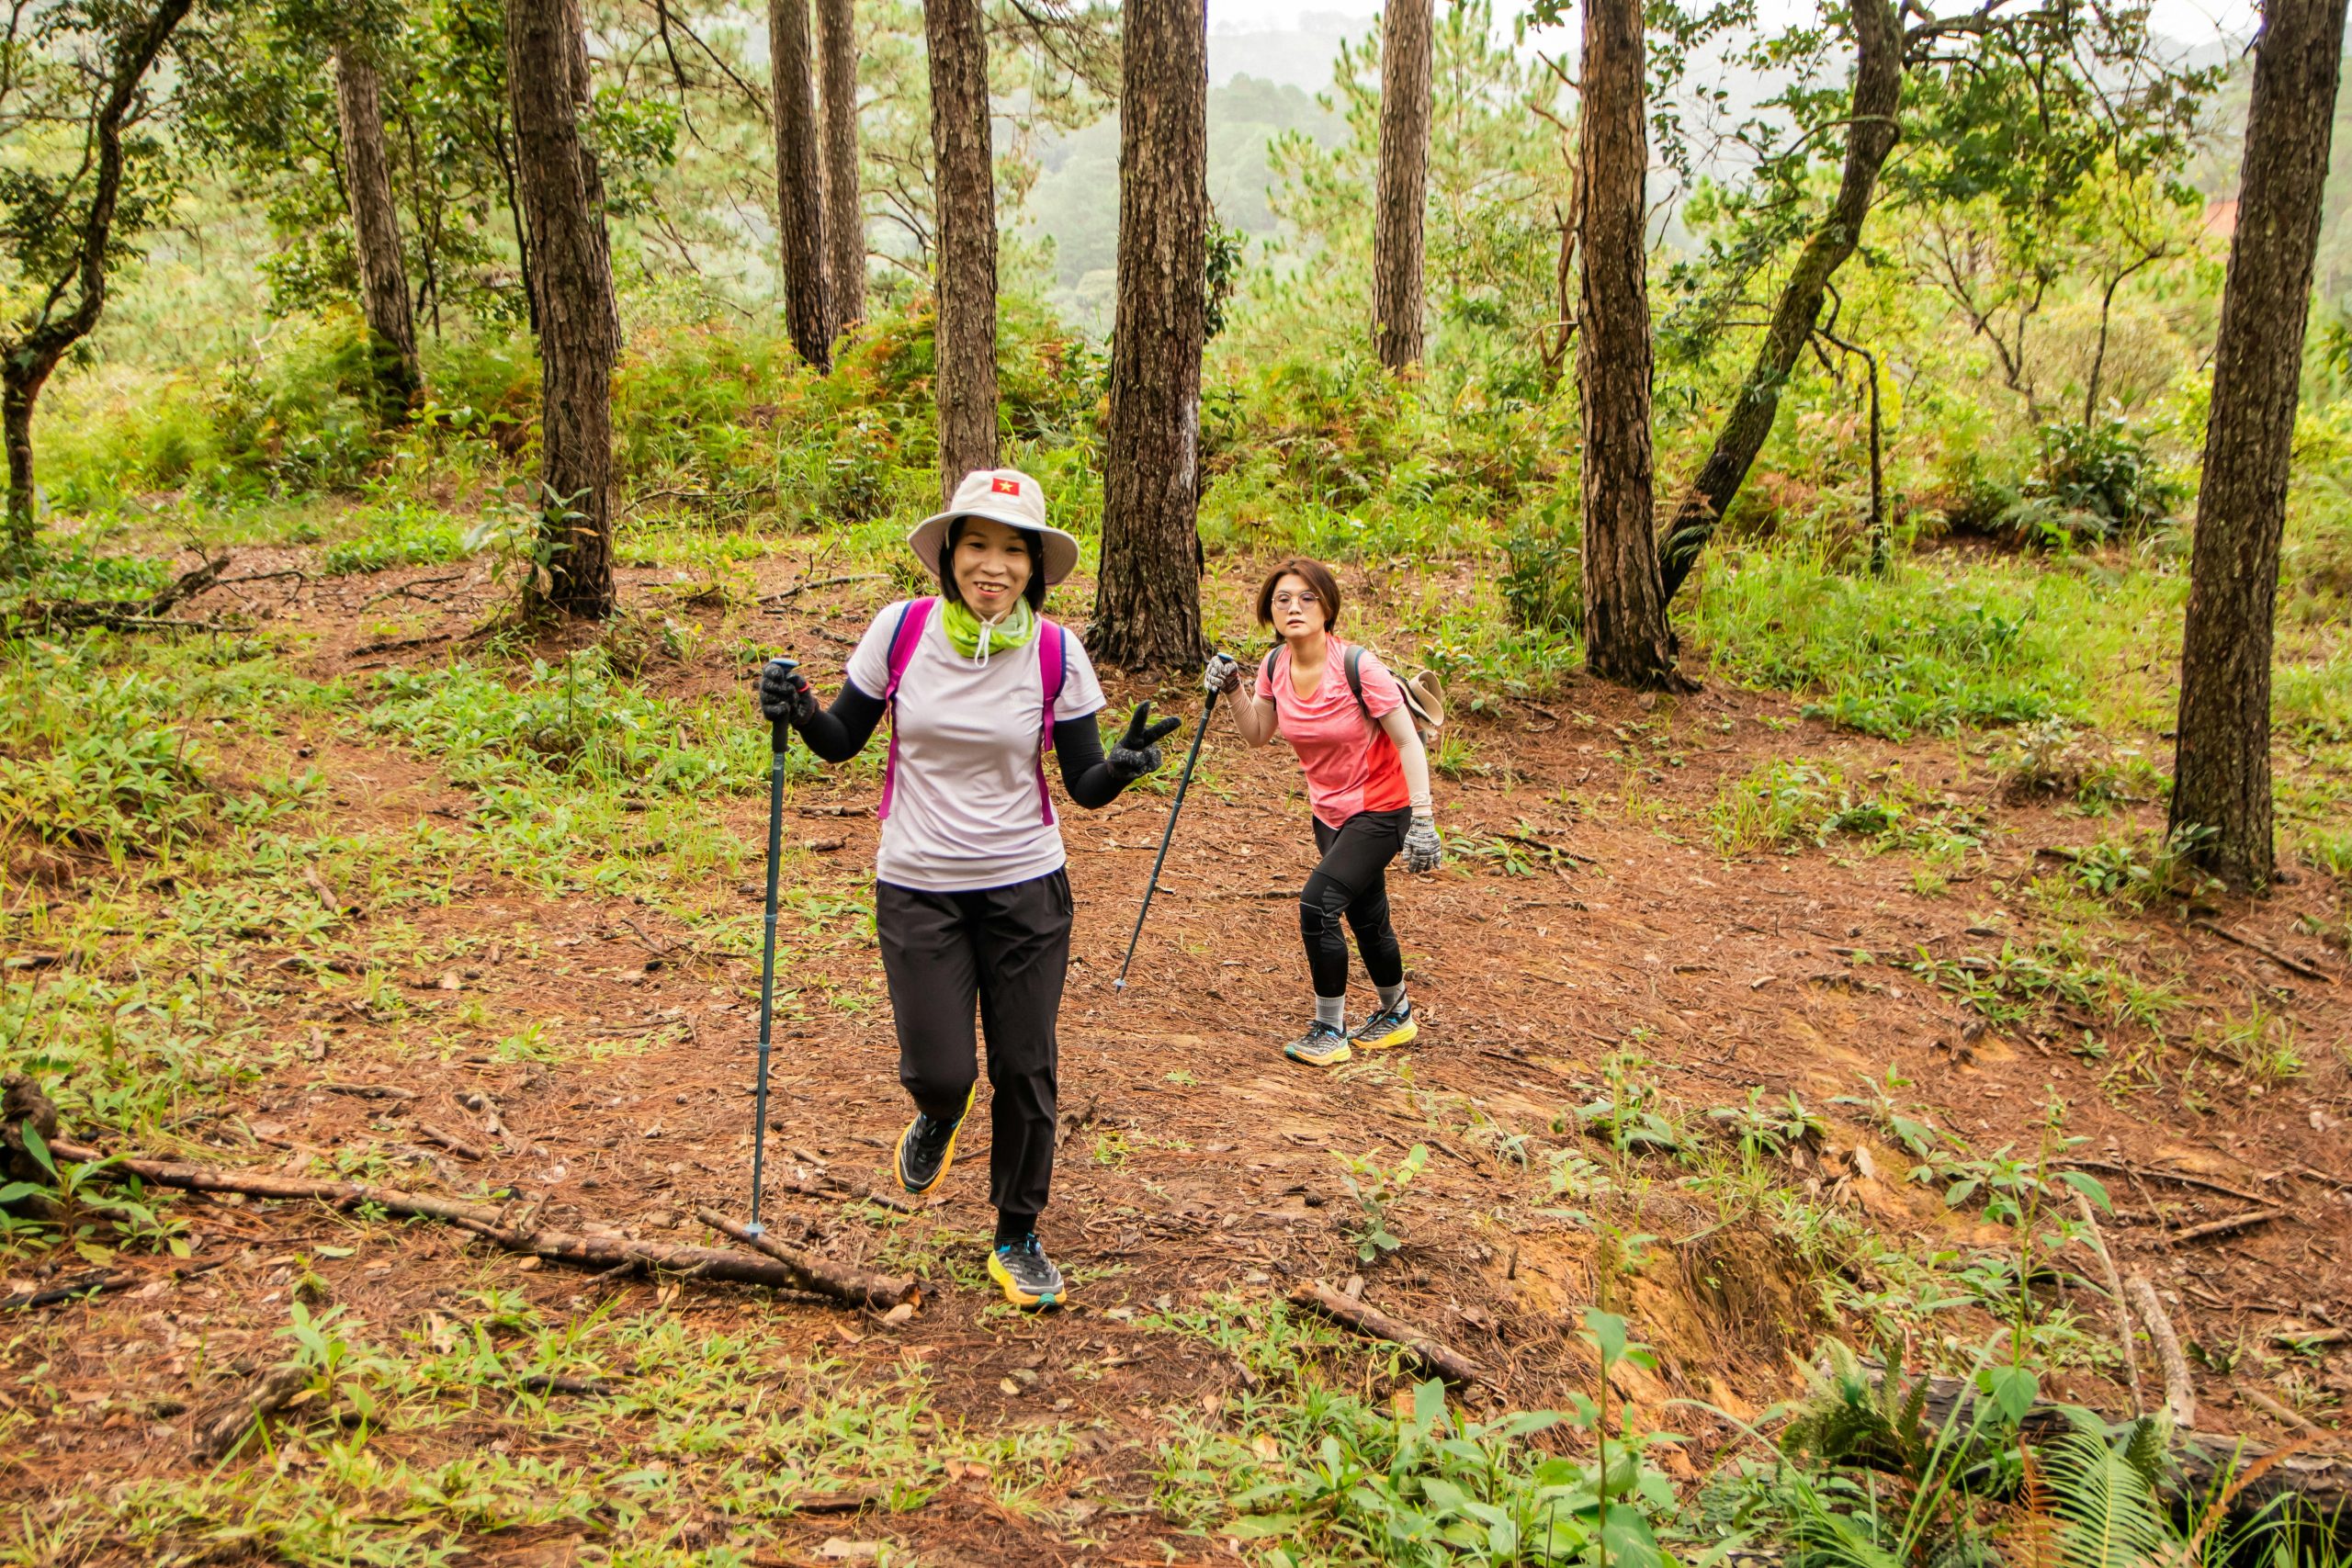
x: 1355, y: 680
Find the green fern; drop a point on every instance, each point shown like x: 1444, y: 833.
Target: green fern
x: 2106, y: 1505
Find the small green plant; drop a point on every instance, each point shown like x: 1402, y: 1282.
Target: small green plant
x: 88, y: 1205
x: 2146, y: 869
x: 397, y: 534
x: 1627, y: 1108
x: 1769, y: 1130
x: 1376, y: 1189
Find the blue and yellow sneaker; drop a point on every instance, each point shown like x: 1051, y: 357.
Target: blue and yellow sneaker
x: 1323, y: 1045
x: 1389, y: 1026
x: 1026, y: 1275
x: 928, y: 1147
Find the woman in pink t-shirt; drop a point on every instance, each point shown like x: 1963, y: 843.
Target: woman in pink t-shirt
x: 1368, y: 785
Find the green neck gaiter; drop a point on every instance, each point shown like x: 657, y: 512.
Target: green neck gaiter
x: 974, y: 639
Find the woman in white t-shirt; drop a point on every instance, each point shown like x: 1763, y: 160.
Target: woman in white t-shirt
x: 971, y: 900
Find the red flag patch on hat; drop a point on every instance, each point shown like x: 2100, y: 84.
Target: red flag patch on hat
x: 1003, y: 486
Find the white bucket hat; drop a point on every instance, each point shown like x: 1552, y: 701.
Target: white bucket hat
x: 1002, y: 495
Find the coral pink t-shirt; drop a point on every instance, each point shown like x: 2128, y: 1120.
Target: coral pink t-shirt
x: 1351, y: 764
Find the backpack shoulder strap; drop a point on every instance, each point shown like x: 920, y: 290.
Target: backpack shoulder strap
x: 913, y: 621
x: 1354, y: 665
x: 904, y: 640
x: 1053, y: 671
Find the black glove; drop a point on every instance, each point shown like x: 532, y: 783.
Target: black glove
x: 1136, y: 753
x: 785, y: 694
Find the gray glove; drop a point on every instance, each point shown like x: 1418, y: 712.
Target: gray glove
x: 1424, y: 851
x: 1223, y: 675
x: 1136, y: 753
x: 785, y: 694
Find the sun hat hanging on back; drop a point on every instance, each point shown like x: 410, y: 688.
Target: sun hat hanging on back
x: 1002, y: 495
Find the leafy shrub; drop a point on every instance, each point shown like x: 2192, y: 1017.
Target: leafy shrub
x: 2091, y: 483
x: 1542, y: 581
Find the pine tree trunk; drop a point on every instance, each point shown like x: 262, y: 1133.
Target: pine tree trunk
x: 965, y: 187
x: 1870, y: 138
x: 17, y: 391
x: 1147, y: 605
x: 1401, y: 195
x: 562, y: 197
x: 2222, y: 766
x: 799, y: 184
x: 844, y: 207
x: 374, y: 225
x: 1626, y: 638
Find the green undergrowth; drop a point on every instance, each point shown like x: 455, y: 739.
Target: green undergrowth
x: 693, y: 1446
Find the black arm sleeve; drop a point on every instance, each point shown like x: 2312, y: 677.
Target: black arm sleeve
x: 1078, y: 743
x: 840, y: 732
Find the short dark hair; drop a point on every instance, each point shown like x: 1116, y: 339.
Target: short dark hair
x: 1318, y: 576
x: 1031, y: 541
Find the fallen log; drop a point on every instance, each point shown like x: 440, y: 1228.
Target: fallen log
x: 597, y: 1253
x: 2199, y: 1464
x: 88, y: 1285
x: 1431, y: 1355
x: 825, y: 1276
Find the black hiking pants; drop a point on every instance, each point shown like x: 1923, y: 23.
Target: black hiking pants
x: 1007, y: 949
x: 1351, y: 884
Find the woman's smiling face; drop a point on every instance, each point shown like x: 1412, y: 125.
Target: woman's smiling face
x: 991, y: 565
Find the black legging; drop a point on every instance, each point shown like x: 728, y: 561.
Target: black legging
x: 1351, y: 881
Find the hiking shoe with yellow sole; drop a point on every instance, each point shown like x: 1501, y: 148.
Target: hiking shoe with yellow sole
x: 928, y: 1147
x: 1026, y: 1276
x: 1323, y: 1045
x: 1389, y: 1026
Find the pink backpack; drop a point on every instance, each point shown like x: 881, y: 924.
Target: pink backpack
x: 1053, y: 665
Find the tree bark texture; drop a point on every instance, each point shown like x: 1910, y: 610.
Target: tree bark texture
x: 1626, y: 637
x: 1401, y: 197
x: 845, y: 204
x: 375, y: 224
x: 1148, y: 603
x: 799, y: 184
x: 563, y: 195
x: 2222, y: 765
x: 1870, y: 138
x: 964, y: 192
x: 26, y: 360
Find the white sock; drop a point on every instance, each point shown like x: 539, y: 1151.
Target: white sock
x: 1332, y: 1011
x: 1391, y: 996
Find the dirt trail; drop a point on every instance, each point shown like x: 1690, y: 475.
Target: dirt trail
x: 1584, y: 912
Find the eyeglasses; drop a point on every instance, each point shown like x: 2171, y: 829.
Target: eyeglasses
x: 1299, y: 600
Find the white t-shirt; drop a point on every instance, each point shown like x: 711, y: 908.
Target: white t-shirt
x: 965, y: 811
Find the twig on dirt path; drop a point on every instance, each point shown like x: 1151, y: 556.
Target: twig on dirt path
x: 831, y: 810
x: 842, y: 1281
x: 263, y: 1398
x: 545, y: 1382
x: 2122, y: 1308
x: 2181, y: 1393
x: 856, y: 1502
x: 481, y: 1219
x: 1541, y: 847
x: 2293, y: 1420
x: 88, y: 1285
x: 2227, y: 1225
x: 451, y: 1142
x: 825, y: 1184
x: 2178, y: 1178
x: 396, y: 644
x: 799, y: 588
x: 1371, y: 1321
x: 367, y: 1090
x: 409, y: 591
x: 2293, y: 966
x: 2311, y: 1337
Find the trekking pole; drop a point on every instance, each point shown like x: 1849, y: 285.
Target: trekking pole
x: 777, y: 731
x: 1182, y: 784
